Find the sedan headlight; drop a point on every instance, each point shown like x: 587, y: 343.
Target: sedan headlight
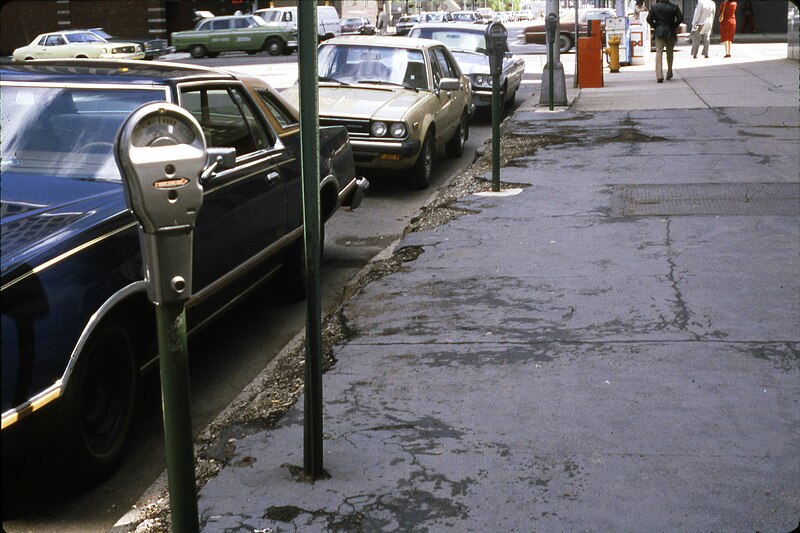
x: 397, y: 130
x: 104, y: 50
x: 378, y: 129
x: 482, y: 80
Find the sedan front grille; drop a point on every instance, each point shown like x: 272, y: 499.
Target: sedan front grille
x: 356, y: 127
x: 124, y: 50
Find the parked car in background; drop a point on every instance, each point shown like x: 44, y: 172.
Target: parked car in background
x: 536, y: 33
x: 436, y: 16
x: 405, y: 23
x: 400, y: 99
x: 467, y: 43
x: 77, y: 327
x: 487, y: 13
x: 328, y: 23
x: 470, y: 17
x: 153, y: 48
x: 357, y: 25
x: 76, y: 44
x: 236, y: 33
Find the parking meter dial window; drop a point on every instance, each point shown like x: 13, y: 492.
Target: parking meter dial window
x: 161, y: 130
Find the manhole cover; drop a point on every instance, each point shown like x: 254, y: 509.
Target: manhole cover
x: 722, y: 199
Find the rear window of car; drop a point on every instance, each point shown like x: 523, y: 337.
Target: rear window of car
x: 65, y: 131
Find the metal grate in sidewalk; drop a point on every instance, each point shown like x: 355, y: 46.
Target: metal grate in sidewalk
x: 720, y: 199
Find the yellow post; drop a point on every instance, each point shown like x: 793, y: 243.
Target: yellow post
x: 613, y: 53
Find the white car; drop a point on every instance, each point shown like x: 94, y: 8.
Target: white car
x: 77, y: 44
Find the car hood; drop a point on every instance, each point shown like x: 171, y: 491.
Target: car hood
x: 51, y: 214
x: 386, y: 103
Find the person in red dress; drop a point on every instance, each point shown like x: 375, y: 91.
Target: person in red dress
x: 727, y: 24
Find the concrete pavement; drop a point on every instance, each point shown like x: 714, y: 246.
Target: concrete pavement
x: 613, y: 344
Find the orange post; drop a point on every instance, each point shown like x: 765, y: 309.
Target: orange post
x: 590, y: 57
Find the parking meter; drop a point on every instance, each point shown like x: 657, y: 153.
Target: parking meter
x: 161, y: 153
x: 496, y: 46
x: 551, y: 28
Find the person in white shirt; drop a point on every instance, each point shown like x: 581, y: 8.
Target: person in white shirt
x: 701, y: 25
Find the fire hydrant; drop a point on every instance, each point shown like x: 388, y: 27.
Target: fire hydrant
x: 613, y: 53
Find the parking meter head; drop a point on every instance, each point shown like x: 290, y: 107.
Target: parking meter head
x: 161, y: 153
x: 551, y: 27
x: 496, y: 39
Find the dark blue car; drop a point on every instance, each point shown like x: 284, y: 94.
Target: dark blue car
x: 77, y: 328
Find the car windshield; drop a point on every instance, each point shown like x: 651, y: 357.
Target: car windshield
x: 352, y: 22
x: 375, y: 64
x: 470, y: 41
x: 102, y: 33
x: 408, y: 20
x: 271, y: 15
x: 466, y: 17
x: 83, y: 38
x: 64, y: 132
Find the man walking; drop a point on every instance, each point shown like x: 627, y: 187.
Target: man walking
x: 701, y: 25
x: 664, y: 18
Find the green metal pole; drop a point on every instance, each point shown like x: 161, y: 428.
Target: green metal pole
x: 175, y: 398
x: 495, y: 127
x: 309, y: 152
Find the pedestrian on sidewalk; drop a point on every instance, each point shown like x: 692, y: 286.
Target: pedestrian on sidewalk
x: 727, y: 24
x: 664, y: 18
x: 701, y: 25
x: 749, y: 19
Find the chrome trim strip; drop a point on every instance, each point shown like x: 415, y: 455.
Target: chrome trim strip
x: 34, y: 404
x: 234, y: 301
x: 231, y: 276
x: 97, y: 316
x: 78, y: 85
x: 56, y: 390
x: 73, y: 251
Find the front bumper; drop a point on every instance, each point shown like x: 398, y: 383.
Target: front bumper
x: 385, y: 154
x: 135, y: 55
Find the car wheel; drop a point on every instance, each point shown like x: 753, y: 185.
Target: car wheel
x: 197, y: 51
x: 420, y: 177
x: 274, y: 46
x: 455, y: 146
x: 99, y: 401
x: 564, y: 43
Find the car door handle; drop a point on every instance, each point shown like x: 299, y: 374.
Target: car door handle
x: 273, y: 177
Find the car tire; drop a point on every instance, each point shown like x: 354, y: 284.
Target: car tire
x: 420, y: 177
x: 564, y: 43
x: 99, y: 401
x: 197, y: 51
x: 455, y: 146
x: 274, y: 46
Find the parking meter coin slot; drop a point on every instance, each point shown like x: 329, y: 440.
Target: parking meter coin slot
x: 161, y: 152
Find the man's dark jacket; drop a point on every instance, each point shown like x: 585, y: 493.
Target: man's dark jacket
x: 665, y: 18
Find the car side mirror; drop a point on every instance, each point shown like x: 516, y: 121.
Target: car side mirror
x: 449, y: 84
x: 217, y: 160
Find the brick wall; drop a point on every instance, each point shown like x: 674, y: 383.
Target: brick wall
x: 22, y: 20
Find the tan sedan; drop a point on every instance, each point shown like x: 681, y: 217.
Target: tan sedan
x: 401, y: 100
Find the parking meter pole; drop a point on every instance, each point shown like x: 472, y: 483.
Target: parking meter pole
x: 550, y: 75
x: 495, y: 125
x: 555, y: 91
x: 174, y: 364
x: 575, y: 80
x: 309, y: 150
x: 496, y: 37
